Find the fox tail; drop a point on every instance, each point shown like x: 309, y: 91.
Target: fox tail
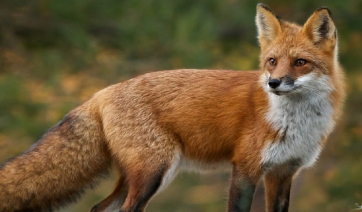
x: 69, y: 158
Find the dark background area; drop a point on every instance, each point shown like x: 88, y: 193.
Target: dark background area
x: 55, y: 54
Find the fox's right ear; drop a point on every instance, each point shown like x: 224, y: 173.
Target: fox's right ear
x: 268, y: 25
x: 320, y: 27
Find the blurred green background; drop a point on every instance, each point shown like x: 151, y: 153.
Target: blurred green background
x: 54, y: 54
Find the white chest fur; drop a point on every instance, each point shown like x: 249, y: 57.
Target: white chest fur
x: 303, y: 119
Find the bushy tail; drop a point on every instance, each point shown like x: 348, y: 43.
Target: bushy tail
x: 70, y: 157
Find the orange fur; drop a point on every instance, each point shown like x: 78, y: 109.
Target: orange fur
x: 155, y: 124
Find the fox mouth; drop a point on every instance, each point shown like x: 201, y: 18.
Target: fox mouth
x: 284, y: 90
x: 280, y: 93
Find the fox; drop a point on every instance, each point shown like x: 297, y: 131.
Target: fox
x: 265, y: 124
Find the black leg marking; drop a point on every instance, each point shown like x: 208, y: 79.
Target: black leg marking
x: 241, y: 193
x: 143, y: 192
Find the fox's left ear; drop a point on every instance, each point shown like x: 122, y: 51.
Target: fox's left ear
x: 268, y: 25
x: 320, y: 27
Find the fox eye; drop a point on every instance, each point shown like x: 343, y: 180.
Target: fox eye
x: 300, y: 62
x: 272, y: 61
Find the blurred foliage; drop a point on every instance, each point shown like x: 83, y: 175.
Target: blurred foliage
x: 55, y: 54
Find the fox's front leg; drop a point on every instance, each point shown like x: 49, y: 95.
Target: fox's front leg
x: 277, y: 188
x: 241, y: 191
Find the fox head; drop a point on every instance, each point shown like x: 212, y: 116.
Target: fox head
x: 294, y: 58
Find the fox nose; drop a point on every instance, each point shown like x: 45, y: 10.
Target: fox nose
x: 274, y: 83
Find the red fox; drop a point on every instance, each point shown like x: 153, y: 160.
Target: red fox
x: 262, y: 124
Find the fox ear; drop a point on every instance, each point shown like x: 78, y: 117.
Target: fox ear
x: 267, y: 23
x: 320, y: 27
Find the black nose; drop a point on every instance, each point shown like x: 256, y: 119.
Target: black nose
x: 274, y: 83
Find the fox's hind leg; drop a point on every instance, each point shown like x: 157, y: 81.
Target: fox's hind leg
x: 139, y: 182
x: 147, y: 179
x: 115, y: 200
x: 141, y: 188
x: 148, y: 154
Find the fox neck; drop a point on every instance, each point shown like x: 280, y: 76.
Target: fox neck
x: 302, y: 121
